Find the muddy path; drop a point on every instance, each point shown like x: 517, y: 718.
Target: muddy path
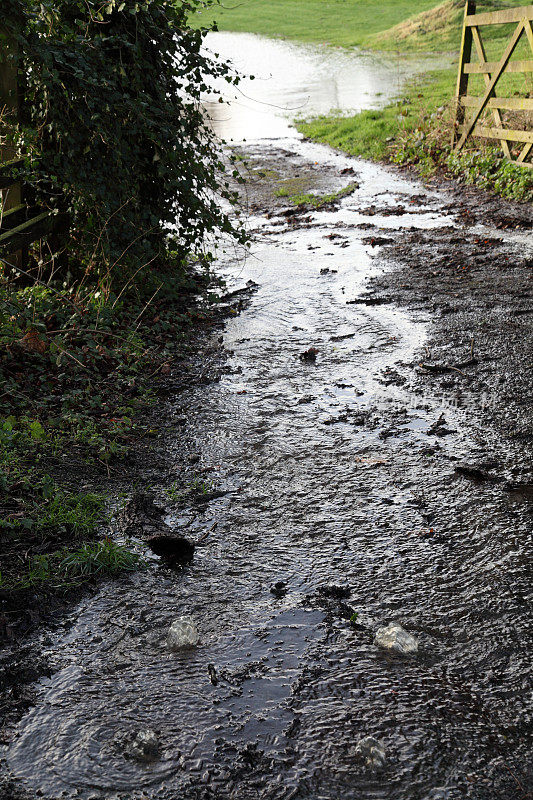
x: 363, y: 457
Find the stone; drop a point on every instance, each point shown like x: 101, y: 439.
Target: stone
x: 309, y: 355
x: 335, y: 591
x: 182, y: 633
x: 372, y: 751
x: 394, y: 638
x: 145, y: 746
x: 279, y: 589
x: 175, y: 550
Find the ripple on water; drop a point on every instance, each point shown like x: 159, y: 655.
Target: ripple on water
x: 317, y: 495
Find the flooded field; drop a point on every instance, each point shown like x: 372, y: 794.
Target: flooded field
x: 284, y: 80
x: 342, y: 502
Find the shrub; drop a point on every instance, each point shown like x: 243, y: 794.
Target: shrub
x: 113, y: 127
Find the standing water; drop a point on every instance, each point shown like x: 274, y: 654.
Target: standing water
x: 283, y: 81
x: 299, y: 685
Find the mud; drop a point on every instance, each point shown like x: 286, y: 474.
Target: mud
x: 387, y: 479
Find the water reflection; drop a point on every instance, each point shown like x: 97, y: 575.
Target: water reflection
x: 297, y: 80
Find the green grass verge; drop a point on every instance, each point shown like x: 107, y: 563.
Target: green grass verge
x: 340, y: 22
x: 416, y: 25
x: 439, y: 29
x: 371, y: 133
x: 415, y: 131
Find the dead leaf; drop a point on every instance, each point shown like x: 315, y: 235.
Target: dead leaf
x: 34, y: 342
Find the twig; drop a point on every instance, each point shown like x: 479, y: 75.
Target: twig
x: 113, y: 265
x: 441, y: 369
x: 42, y: 283
x: 66, y: 352
x: 518, y: 783
x: 82, y: 331
x: 160, y: 367
x: 146, y: 306
x: 206, y: 534
x: 129, y: 281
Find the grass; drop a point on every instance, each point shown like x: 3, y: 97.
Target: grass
x: 415, y: 25
x: 315, y: 200
x: 37, y: 514
x: 66, y: 568
x: 438, y: 29
x: 346, y: 23
x: 31, y: 499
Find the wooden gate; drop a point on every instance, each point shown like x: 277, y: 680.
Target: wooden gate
x: 21, y: 224
x: 471, y: 110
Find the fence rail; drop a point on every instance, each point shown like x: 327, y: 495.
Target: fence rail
x: 470, y: 109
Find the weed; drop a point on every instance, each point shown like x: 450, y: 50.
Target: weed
x: 317, y: 201
x: 179, y: 492
x: 64, y: 568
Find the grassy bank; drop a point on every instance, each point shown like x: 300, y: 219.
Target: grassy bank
x: 413, y: 26
x: 414, y: 131
x: 79, y: 367
x: 370, y: 133
x: 336, y: 22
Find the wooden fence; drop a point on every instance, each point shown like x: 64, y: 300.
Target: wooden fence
x: 471, y: 109
x: 21, y: 224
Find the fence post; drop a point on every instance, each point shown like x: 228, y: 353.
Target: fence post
x: 10, y: 196
x: 462, y: 77
x: 8, y: 107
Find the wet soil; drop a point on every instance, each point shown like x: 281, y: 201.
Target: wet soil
x: 363, y: 456
x: 199, y: 362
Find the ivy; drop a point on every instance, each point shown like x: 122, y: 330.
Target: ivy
x: 113, y: 127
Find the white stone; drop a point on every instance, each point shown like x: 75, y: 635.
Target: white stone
x: 372, y: 751
x: 394, y: 638
x: 182, y: 633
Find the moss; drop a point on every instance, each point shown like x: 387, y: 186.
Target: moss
x: 319, y: 200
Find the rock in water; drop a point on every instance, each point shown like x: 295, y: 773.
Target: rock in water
x: 310, y: 355
x: 145, y: 746
x: 279, y: 589
x: 182, y: 633
x: 371, y: 751
x: 172, y: 549
x: 394, y: 638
